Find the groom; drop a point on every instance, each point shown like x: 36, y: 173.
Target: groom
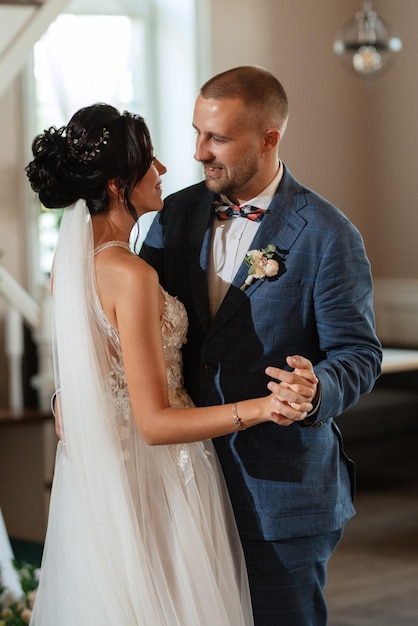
x: 291, y: 486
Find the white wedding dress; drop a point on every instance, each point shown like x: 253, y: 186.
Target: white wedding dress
x: 137, y: 535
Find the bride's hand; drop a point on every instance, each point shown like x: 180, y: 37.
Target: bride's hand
x: 286, y: 413
x: 274, y: 407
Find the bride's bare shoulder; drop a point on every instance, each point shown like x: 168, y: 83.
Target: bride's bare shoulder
x: 121, y: 269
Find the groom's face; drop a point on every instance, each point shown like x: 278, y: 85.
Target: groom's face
x: 230, y: 146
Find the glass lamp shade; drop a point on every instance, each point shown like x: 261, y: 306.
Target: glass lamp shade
x: 366, y: 44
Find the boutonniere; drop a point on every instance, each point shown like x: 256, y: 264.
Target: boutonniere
x: 261, y: 264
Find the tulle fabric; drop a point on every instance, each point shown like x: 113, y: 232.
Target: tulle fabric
x: 137, y: 535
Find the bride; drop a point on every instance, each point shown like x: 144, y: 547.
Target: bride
x: 140, y: 526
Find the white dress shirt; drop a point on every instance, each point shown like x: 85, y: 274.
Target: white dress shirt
x: 230, y: 243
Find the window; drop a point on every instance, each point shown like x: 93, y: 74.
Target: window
x: 139, y: 55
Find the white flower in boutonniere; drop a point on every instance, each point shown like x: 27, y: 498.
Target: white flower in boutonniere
x: 261, y: 264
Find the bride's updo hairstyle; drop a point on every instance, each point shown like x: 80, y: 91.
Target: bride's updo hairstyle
x: 76, y: 161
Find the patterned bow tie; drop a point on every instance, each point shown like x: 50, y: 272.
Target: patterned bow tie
x: 228, y: 211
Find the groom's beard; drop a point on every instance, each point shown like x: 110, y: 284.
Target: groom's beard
x: 232, y: 180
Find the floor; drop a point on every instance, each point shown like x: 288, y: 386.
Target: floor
x: 373, y: 575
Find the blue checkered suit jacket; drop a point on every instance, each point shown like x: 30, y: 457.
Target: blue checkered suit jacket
x: 283, y: 481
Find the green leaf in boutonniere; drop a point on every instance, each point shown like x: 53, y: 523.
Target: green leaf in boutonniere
x: 261, y: 264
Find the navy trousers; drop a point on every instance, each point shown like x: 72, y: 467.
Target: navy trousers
x: 288, y: 577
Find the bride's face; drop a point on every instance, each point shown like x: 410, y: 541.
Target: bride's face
x: 147, y: 194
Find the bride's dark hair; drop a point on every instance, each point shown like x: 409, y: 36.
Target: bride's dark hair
x: 77, y: 161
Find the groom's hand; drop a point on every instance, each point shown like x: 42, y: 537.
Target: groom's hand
x: 295, y: 389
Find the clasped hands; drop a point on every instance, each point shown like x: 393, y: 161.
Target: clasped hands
x: 295, y: 391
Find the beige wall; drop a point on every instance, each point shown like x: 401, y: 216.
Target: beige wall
x: 12, y: 231
x: 353, y: 143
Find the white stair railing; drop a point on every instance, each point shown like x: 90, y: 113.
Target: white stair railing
x: 21, y: 306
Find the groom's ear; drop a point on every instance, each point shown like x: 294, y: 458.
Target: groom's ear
x: 271, y: 138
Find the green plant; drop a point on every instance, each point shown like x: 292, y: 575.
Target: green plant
x: 17, y: 611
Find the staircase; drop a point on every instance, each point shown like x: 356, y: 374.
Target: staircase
x: 37, y: 315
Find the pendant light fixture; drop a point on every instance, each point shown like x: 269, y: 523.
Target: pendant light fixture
x: 367, y: 44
